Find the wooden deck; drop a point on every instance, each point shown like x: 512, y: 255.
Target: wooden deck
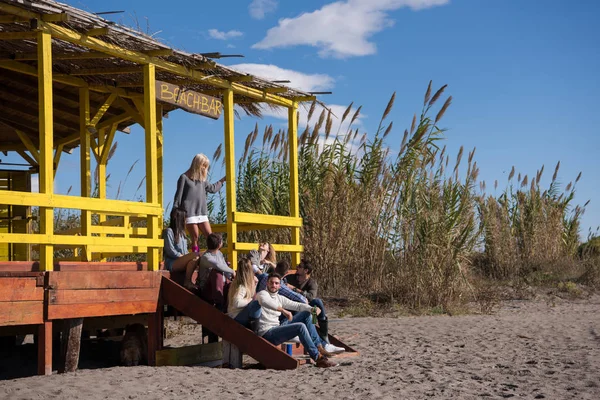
x: 112, y: 294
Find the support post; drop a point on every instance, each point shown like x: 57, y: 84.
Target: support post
x: 84, y: 164
x: 101, y: 165
x: 159, y: 160
x: 294, y: 192
x: 151, y: 160
x: 71, y: 343
x: 228, y: 115
x: 45, y: 348
x: 46, y: 139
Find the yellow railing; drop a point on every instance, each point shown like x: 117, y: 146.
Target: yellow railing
x: 129, y: 240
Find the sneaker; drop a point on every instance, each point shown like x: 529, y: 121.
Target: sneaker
x: 294, y: 340
x: 324, y: 352
x: 334, y: 349
x: 324, y: 362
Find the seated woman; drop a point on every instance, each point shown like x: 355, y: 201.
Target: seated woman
x: 264, y: 259
x: 241, y: 305
x: 177, y: 258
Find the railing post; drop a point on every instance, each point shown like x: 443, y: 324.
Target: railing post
x: 228, y: 115
x: 84, y: 157
x: 46, y: 139
x: 159, y: 160
x: 294, y: 193
x: 151, y: 160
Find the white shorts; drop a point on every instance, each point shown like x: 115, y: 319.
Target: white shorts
x: 197, y: 219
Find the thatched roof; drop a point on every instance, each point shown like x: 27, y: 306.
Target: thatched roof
x: 18, y: 91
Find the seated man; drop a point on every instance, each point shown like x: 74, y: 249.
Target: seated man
x: 302, y: 283
x: 273, y: 305
x: 284, y: 290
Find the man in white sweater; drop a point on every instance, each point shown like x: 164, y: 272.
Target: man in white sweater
x: 273, y: 305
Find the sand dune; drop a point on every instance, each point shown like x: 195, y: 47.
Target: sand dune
x: 528, y: 349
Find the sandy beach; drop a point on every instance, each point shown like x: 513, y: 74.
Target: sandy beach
x: 527, y: 349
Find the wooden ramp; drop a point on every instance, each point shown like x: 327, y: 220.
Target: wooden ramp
x: 255, y: 346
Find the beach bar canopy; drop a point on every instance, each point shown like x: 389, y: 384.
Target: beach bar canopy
x: 70, y: 78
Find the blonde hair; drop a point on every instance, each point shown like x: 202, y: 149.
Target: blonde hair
x: 199, y: 168
x: 244, y: 277
x: 271, y: 254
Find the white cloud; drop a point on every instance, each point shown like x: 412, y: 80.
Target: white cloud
x: 258, y: 8
x: 298, y: 80
x: 217, y: 34
x: 340, y: 29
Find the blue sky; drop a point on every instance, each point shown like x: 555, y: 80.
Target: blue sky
x: 523, y: 76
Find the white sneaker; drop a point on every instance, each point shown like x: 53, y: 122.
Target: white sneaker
x: 294, y: 340
x: 334, y: 349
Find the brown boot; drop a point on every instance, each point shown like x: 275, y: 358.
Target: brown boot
x: 324, y: 362
x: 324, y: 352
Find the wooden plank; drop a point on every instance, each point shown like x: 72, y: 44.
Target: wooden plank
x: 45, y: 348
x: 20, y: 289
x: 189, y: 100
x: 66, y: 311
x: 189, y: 355
x: 78, y: 296
x: 21, y: 312
x: 227, y: 328
x: 30, y: 266
x: 62, y: 280
x: 337, y: 342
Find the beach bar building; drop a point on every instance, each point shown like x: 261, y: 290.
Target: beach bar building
x: 69, y: 78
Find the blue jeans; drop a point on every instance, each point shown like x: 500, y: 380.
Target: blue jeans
x: 301, y: 325
x: 252, y: 310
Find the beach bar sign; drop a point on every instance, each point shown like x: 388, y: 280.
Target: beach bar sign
x: 189, y: 100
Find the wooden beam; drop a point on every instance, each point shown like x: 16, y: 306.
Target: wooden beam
x: 240, y: 78
x: 294, y: 185
x: 86, y: 280
x: 302, y: 99
x: 276, y: 90
x: 84, y: 55
x: 97, y: 32
x: 92, y: 43
x: 27, y: 158
x: 45, y: 348
x: 46, y: 132
x: 151, y: 159
x: 277, y: 220
x: 71, y: 338
x: 107, y: 71
x: 285, y: 248
x: 108, y: 144
x: 159, y: 52
x: 102, y: 109
x: 29, y: 145
x: 26, y: 35
x: 29, y: 70
x: 85, y: 176
x: 230, y: 164
x: 65, y: 311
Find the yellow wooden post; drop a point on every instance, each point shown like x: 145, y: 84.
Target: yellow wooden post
x: 46, y: 134
x: 228, y: 115
x: 151, y: 161
x: 294, y: 193
x: 84, y: 158
x: 159, y: 159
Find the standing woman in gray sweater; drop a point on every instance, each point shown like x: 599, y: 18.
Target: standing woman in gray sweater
x: 192, y: 187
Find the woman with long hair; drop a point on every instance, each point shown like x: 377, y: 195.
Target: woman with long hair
x: 192, y: 187
x: 176, y: 254
x: 264, y: 259
x: 241, y: 305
